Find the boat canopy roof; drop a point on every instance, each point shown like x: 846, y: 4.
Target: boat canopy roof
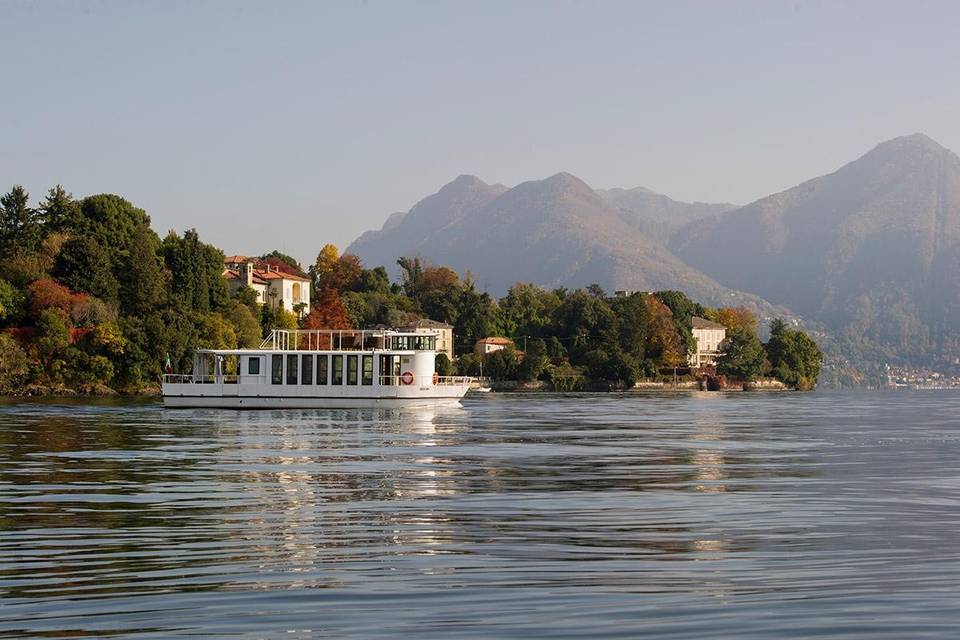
x: 347, y: 340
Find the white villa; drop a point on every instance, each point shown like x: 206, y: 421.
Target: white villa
x: 708, y: 335
x: 273, y: 287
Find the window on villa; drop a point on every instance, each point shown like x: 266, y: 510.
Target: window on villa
x: 368, y: 370
x: 306, y: 368
x: 276, y: 365
x: 352, y: 369
x: 296, y: 292
x: 337, y: 369
x: 291, y: 369
x: 322, y: 364
x: 253, y: 366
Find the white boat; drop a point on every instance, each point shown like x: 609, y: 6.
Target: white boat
x: 307, y: 369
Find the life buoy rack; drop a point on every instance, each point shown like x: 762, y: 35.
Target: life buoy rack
x: 406, y: 377
x: 436, y: 377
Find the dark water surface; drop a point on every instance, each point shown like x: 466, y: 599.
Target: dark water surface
x: 687, y: 516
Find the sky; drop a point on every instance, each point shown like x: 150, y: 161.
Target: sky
x: 288, y: 125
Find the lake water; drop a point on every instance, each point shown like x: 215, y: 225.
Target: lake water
x: 668, y: 516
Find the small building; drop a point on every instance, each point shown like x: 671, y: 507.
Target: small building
x: 277, y: 288
x: 491, y: 344
x: 708, y: 336
x: 442, y: 330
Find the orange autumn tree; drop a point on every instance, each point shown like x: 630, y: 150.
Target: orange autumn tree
x: 735, y: 318
x: 665, y: 345
x: 328, y: 312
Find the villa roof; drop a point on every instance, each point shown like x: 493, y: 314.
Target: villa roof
x: 427, y: 323
x: 234, y: 259
x: 703, y: 323
x: 495, y: 340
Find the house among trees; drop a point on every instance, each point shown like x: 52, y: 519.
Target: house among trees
x: 708, y: 336
x: 274, y: 287
x: 491, y: 344
x: 443, y: 330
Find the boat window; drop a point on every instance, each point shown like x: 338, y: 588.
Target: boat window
x: 368, y: 370
x: 253, y: 366
x: 386, y: 368
x: 352, y: 369
x: 337, y: 369
x: 306, y: 370
x: 276, y: 365
x: 322, y: 364
x: 291, y: 369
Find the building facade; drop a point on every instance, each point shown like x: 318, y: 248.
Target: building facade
x: 274, y: 287
x: 708, y: 336
x: 491, y: 344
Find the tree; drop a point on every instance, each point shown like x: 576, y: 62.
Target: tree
x: 795, y: 358
x: 83, y: 264
x: 196, y: 271
x: 47, y: 294
x: 328, y: 312
x: 611, y: 365
x: 323, y: 265
x: 12, y: 304
x: 443, y: 366
x: 59, y: 209
x: 141, y: 281
x: 52, y: 338
x: 735, y: 318
x: 14, y: 364
x: 535, y: 361
x: 664, y: 346
x: 743, y: 356
x: 19, y: 224
x: 245, y: 325
x: 284, y: 262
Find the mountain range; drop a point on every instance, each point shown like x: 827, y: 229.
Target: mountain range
x: 871, y: 251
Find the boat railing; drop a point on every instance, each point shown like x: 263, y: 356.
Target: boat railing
x: 189, y: 378
x: 423, y: 381
x: 321, y: 339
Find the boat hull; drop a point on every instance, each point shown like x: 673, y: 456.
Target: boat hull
x: 207, y: 402
x: 232, y: 396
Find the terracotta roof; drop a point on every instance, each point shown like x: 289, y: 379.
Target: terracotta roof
x: 234, y: 259
x: 495, y: 340
x: 276, y: 275
x: 703, y: 323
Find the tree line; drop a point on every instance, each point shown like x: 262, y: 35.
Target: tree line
x: 91, y: 298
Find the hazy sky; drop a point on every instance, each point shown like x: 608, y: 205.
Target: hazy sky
x: 288, y: 125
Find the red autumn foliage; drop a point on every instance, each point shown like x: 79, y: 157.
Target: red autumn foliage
x: 47, y: 294
x: 328, y: 312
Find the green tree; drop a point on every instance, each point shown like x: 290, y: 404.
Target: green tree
x: 83, y: 264
x: 141, y: 282
x: 743, y: 355
x: 245, y: 325
x: 795, y: 358
x: 535, y: 361
x: 196, y: 271
x: 13, y: 303
x: 59, y: 209
x: 52, y: 339
x: 19, y: 224
x: 443, y: 366
x: 14, y: 364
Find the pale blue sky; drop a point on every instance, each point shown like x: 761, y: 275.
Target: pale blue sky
x: 289, y: 125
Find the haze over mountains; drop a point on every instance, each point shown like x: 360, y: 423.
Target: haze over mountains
x: 871, y: 250
x: 553, y: 232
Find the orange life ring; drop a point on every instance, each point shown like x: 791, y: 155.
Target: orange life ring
x: 406, y: 377
x: 436, y: 377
